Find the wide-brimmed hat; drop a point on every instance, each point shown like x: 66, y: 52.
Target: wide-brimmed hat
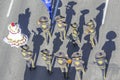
x: 45, y: 51
x: 60, y: 54
x: 25, y: 47
x: 59, y: 18
x: 43, y: 19
x: 74, y: 25
x: 76, y: 55
x: 100, y: 55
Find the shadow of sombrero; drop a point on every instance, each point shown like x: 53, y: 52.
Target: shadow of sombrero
x: 87, y: 38
x: 86, y: 11
x: 111, y: 35
x: 72, y: 3
x: 101, y: 7
x: 60, y: 4
x: 39, y: 30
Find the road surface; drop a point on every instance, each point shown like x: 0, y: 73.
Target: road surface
x: 12, y: 65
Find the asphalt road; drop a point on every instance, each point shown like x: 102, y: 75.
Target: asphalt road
x: 12, y: 65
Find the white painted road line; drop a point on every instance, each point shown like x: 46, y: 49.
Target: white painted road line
x: 10, y: 7
x: 106, y: 5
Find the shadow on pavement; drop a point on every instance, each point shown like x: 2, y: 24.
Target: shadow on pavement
x: 23, y: 21
x: 69, y: 13
x: 109, y: 46
x: 60, y: 5
x: 71, y: 48
x: 58, y: 13
x: 37, y: 42
x: 99, y: 18
x: 86, y: 49
x: 72, y: 73
x: 114, y: 70
x: 57, y: 43
x: 82, y: 22
x: 40, y: 73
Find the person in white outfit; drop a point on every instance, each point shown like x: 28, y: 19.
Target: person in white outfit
x: 15, y: 38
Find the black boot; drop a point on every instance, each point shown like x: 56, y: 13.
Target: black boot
x: 31, y: 68
x: 74, y: 43
x: 49, y: 72
x: 66, y: 75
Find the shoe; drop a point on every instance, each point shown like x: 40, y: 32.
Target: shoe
x: 49, y: 72
x: 32, y: 68
x: 66, y: 75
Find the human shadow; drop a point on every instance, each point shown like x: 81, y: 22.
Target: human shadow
x: 86, y: 49
x: 23, y: 21
x: 58, y: 9
x: 82, y: 22
x: 37, y: 42
x: 41, y: 73
x: 57, y: 43
x: 57, y: 72
x: 69, y: 13
x: 37, y: 74
x: 57, y: 13
x: 114, y: 70
x: 99, y: 18
x: 71, y: 48
x: 72, y: 73
x: 109, y: 46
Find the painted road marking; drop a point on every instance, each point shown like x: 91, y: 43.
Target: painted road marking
x: 10, y: 7
x: 106, y: 5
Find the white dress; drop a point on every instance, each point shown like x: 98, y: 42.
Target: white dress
x: 15, y: 38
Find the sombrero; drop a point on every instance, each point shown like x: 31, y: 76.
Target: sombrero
x: 76, y: 54
x: 45, y: 51
x: 74, y: 25
x: 59, y: 18
x: 100, y: 55
x: 43, y: 19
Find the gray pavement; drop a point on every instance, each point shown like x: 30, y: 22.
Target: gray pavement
x: 12, y: 66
